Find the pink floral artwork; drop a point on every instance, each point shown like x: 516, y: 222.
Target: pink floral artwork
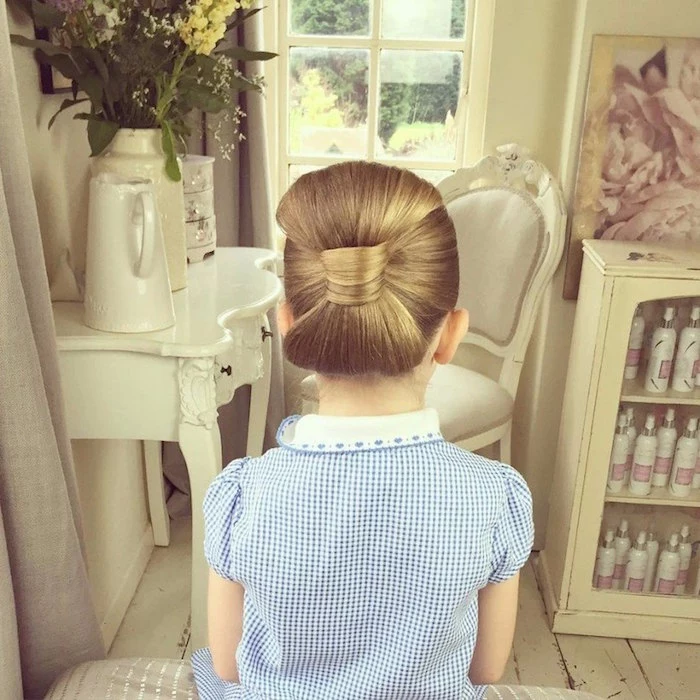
x: 639, y: 166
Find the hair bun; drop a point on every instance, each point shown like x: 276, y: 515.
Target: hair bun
x: 355, y: 275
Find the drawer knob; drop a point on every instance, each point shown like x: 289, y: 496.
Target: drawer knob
x: 226, y: 370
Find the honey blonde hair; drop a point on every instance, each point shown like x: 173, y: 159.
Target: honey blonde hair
x: 370, y: 267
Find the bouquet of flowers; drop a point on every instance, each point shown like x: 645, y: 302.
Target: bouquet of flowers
x: 144, y: 64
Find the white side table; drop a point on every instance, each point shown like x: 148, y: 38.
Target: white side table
x: 169, y: 384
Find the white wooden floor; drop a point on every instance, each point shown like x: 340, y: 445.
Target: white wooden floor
x: 157, y: 624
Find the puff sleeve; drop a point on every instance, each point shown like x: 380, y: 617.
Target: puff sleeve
x: 223, y: 508
x: 514, y: 530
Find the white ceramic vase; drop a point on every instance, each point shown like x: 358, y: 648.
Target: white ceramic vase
x: 138, y: 153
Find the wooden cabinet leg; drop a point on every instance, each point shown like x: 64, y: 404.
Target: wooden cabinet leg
x: 160, y: 520
x: 201, y: 447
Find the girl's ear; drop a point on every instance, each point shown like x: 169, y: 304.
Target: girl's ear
x: 453, y: 331
x: 285, y: 318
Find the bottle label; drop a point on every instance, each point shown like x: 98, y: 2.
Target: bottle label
x: 604, y: 582
x: 682, y: 577
x: 635, y: 585
x: 619, y: 573
x: 617, y: 471
x: 662, y: 465
x: 665, y: 369
x: 641, y: 472
x: 684, y: 476
x: 666, y: 586
x: 633, y: 356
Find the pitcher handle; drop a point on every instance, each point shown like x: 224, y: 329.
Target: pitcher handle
x: 144, y: 266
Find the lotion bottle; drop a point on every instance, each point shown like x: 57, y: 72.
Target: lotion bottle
x: 644, y: 458
x: 605, y: 563
x: 637, y: 565
x: 663, y: 347
x: 666, y: 437
x: 634, y: 349
x: 652, y: 558
x: 696, y: 475
x: 684, y: 460
x: 618, y: 457
x: 688, y: 354
x: 622, y: 548
x: 685, y: 552
x: 632, y: 436
x: 669, y: 566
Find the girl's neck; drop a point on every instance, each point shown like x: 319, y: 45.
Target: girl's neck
x: 379, y: 396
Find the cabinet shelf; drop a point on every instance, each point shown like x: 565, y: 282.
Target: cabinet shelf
x: 646, y: 594
x: 633, y: 392
x: 659, y: 496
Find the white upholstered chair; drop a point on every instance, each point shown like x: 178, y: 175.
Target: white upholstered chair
x: 509, y: 215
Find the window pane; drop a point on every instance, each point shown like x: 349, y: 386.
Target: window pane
x: 296, y: 171
x: 437, y: 19
x: 418, y: 98
x: 329, y: 17
x: 328, y: 101
x: 433, y: 176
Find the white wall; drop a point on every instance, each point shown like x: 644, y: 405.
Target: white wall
x: 110, y: 474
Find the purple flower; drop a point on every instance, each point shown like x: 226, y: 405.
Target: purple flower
x: 67, y: 6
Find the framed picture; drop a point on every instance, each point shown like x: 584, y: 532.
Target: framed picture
x: 52, y: 82
x: 639, y: 165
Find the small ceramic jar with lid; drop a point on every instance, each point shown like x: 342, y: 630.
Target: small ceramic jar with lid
x: 200, y: 221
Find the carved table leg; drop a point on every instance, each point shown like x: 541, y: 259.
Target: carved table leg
x: 200, y: 443
x: 160, y: 520
x: 260, y: 397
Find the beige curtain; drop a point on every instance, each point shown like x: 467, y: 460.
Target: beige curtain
x: 244, y: 217
x: 47, y: 622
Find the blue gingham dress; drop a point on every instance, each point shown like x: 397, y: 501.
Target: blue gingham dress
x: 361, y: 544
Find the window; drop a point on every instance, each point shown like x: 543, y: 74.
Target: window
x: 383, y: 80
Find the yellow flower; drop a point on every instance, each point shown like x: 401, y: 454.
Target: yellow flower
x: 206, y: 24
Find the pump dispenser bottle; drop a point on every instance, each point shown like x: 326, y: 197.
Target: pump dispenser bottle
x: 685, y: 552
x: 637, y: 565
x: 632, y: 436
x: 688, y: 354
x: 644, y: 458
x: 618, y: 457
x: 605, y: 563
x: 634, y: 349
x: 684, y: 460
x: 652, y: 558
x: 669, y: 566
x: 666, y: 437
x: 663, y: 346
x: 622, y: 548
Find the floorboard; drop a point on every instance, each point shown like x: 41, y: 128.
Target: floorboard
x: 157, y: 621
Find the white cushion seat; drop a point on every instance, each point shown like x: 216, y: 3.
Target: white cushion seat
x: 468, y: 403
x: 126, y: 679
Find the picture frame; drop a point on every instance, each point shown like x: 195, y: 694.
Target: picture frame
x: 638, y: 174
x: 51, y: 81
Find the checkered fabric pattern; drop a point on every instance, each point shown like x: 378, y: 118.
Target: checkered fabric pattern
x: 361, y: 544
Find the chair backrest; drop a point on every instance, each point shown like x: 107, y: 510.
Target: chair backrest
x: 510, y: 220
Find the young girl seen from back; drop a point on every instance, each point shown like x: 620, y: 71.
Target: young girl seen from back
x: 365, y: 557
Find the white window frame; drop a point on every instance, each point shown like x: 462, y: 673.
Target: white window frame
x: 279, y: 40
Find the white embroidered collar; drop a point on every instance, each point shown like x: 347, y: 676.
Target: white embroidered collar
x: 342, y: 433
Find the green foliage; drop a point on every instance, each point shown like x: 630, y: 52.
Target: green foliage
x: 331, y: 17
x: 343, y: 73
x: 141, y: 69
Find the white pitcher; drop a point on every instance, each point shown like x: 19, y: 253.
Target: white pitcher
x: 127, y: 289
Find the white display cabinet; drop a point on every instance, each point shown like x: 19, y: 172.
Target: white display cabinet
x: 617, y: 277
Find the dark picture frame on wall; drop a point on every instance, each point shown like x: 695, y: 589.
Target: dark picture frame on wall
x: 52, y: 82
x: 638, y: 173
